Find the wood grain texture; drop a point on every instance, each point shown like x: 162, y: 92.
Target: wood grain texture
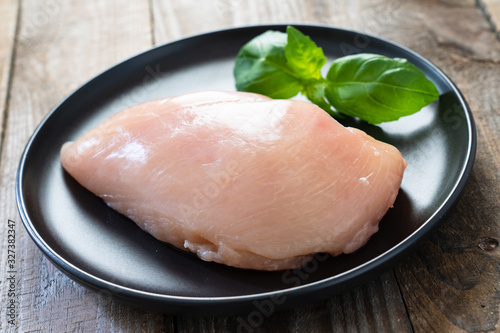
x: 451, y: 284
x: 8, y: 23
x: 374, y: 307
x: 491, y: 9
x: 176, y: 19
x: 60, y: 45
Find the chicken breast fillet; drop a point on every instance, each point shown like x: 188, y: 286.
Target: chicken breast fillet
x: 240, y: 179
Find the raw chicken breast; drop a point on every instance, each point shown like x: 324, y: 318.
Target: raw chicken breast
x: 240, y: 179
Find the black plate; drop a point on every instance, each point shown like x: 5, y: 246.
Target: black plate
x: 103, y: 250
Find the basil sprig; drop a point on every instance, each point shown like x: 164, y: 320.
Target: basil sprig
x: 370, y: 87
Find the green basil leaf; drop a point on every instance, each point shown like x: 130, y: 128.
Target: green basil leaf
x: 371, y: 87
x: 316, y: 93
x: 261, y: 67
x: 303, y: 56
x: 377, y: 89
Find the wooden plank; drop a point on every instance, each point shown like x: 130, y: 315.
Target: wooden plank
x: 176, y: 19
x: 172, y: 19
x: 452, y: 283
x: 461, y: 293
x: 491, y: 9
x: 374, y: 307
x: 8, y: 23
x: 60, y: 45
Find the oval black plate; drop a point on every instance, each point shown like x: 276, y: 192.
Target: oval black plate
x: 103, y: 250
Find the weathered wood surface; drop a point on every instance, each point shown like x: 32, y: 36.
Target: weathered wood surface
x: 8, y: 24
x: 491, y: 9
x: 451, y: 284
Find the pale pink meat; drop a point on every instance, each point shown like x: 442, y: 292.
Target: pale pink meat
x: 240, y: 179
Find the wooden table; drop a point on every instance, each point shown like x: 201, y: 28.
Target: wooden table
x: 451, y: 284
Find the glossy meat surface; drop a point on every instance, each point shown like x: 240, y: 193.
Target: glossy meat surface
x: 240, y: 179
